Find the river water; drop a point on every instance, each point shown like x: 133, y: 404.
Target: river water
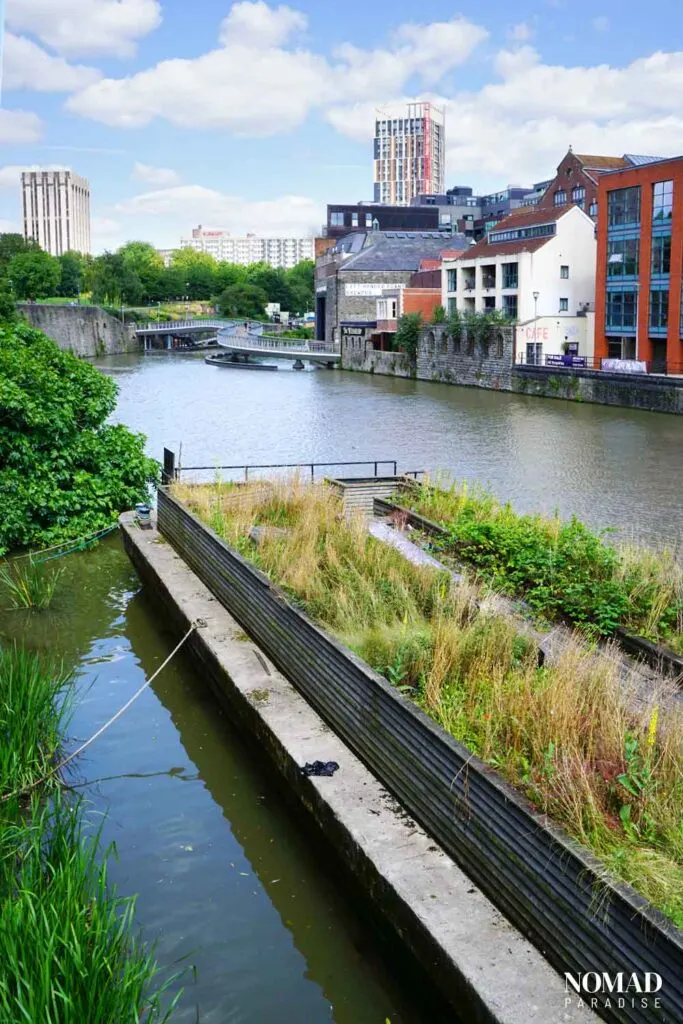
x: 229, y: 881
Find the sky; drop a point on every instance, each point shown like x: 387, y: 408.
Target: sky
x: 251, y: 116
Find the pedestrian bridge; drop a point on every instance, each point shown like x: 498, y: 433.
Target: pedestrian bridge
x: 195, y: 326
x: 254, y: 346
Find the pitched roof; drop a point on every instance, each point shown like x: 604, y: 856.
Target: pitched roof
x: 401, y: 250
x: 518, y: 219
x: 602, y: 163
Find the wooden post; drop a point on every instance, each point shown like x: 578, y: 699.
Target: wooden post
x: 168, y: 473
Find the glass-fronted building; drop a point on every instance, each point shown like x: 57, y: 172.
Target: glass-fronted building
x: 640, y: 265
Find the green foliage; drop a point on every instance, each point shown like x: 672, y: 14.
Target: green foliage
x: 64, y: 471
x: 8, y: 309
x: 245, y: 300
x: 34, y: 274
x: 407, y: 336
x: 439, y: 315
x: 71, y: 274
x: 112, y: 281
x: 455, y: 325
x: 29, y: 584
x: 10, y: 246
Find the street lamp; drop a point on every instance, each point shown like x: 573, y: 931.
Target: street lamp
x: 536, y: 296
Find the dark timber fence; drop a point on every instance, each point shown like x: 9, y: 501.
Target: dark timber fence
x: 548, y: 887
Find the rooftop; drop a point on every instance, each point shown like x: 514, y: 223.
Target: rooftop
x: 523, y: 218
x: 402, y: 250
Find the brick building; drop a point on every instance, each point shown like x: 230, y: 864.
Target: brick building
x: 640, y: 265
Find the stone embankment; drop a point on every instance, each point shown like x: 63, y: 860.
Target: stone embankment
x: 87, y: 331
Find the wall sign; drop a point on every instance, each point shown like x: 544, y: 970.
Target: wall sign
x: 352, y: 332
x: 368, y: 290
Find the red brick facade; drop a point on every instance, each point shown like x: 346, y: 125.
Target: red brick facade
x: 648, y: 348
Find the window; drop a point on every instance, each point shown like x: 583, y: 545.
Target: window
x: 579, y: 195
x: 560, y: 197
x: 537, y: 231
x: 662, y: 200
x: 510, y: 275
x: 593, y: 209
x: 623, y: 206
x: 564, y: 273
x: 354, y: 220
x: 622, y: 257
x: 661, y: 254
x: 337, y: 220
x: 452, y: 305
x: 621, y: 309
x: 368, y: 220
x: 489, y: 303
x: 659, y: 309
x: 510, y: 306
x: 452, y: 280
x: 564, y: 305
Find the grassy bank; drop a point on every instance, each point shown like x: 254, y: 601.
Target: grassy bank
x: 562, y: 569
x: 566, y: 736
x: 69, y: 949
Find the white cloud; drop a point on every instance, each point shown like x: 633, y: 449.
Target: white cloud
x: 601, y: 23
x: 106, y: 234
x: 257, y: 25
x: 10, y: 175
x: 521, y: 33
x: 163, y: 176
x: 195, y: 204
x: 253, y: 86
x: 19, y: 126
x: 27, y: 66
x: 8, y: 227
x: 85, y: 27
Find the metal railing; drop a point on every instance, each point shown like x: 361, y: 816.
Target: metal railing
x: 172, y: 471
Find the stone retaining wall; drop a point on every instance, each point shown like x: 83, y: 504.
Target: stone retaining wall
x: 87, y: 331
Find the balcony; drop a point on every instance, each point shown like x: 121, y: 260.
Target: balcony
x: 488, y: 277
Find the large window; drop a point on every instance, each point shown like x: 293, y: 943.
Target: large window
x: 662, y: 200
x: 579, y: 195
x: 661, y: 254
x: 510, y: 275
x: 510, y: 306
x: 452, y: 280
x: 622, y: 257
x: 621, y: 309
x: 560, y: 197
x: 659, y: 309
x: 514, y: 234
x: 337, y: 220
x: 564, y: 305
x: 623, y: 206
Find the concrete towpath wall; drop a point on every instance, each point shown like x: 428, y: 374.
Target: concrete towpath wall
x: 87, y: 331
x: 478, y: 962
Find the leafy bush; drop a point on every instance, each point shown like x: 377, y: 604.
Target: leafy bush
x: 439, y: 315
x: 64, y: 471
x: 407, y: 336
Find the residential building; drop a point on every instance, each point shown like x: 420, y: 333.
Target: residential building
x: 577, y: 181
x: 277, y: 252
x: 640, y: 265
x: 459, y: 210
x: 56, y: 210
x: 496, y: 206
x: 409, y: 154
x: 364, y: 267
x: 538, y: 268
x: 343, y: 218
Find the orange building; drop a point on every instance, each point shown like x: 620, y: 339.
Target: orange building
x: 640, y: 265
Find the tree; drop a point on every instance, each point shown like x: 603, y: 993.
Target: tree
x: 112, y: 281
x: 242, y: 300
x: 273, y: 281
x: 34, y: 274
x: 142, y: 260
x: 64, y: 471
x: 71, y: 274
x: 10, y: 246
x: 199, y: 271
x: 407, y: 335
x: 228, y: 274
x: 301, y: 283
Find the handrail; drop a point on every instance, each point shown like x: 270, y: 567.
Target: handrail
x: 172, y: 472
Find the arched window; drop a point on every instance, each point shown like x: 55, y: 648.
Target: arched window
x: 500, y: 345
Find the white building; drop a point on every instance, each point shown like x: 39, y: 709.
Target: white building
x: 537, y: 267
x: 56, y: 210
x: 277, y: 252
x: 410, y: 154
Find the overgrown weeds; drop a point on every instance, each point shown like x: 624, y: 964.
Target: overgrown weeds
x: 567, y: 736
x: 561, y: 568
x: 29, y: 584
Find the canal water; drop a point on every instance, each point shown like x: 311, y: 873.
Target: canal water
x: 611, y: 467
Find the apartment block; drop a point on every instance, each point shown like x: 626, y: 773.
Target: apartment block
x: 282, y: 253
x: 56, y: 211
x: 639, y: 311
x: 409, y: 154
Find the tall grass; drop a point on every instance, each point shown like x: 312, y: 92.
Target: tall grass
x: 563, y: 569
x: 69, y: 954
x: 568, y: 736
x: 28, y: 584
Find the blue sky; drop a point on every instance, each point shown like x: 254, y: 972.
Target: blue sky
x: 251, y: 116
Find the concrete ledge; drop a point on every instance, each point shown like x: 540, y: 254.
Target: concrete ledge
x: 486, y: 969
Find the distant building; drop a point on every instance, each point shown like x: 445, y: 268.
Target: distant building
x: 343, y: 218
x: 364, y: 267
x: 538, y: 268
x: 56, y: 211
x: 578, y: 179
x: 277, y: 252
x: 498, y: 205
x: 409, y: 154
x: 458, y: 210
x: 640, y: 264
